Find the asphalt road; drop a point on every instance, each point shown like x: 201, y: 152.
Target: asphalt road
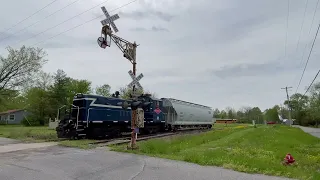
x: 5, y: 141
x: 60, y: 163
x: 313, y: 131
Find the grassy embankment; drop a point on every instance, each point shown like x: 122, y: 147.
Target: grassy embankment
x: 28, y: 134
x: 243, y: 148
x: 39, y: 134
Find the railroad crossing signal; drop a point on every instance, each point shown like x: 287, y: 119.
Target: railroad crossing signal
x: 109, y: 19
x: 129, y: 50
x: 135, y: 80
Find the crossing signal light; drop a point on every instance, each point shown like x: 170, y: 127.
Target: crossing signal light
x: 135, y: 105
x: 139, y: 104
x: 124, y: 105
x: 125, y: 54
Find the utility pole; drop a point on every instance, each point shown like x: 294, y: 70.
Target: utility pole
x: 289, y: 106
x: 129, y: 52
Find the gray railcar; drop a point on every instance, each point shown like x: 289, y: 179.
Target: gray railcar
x: 181, y: 114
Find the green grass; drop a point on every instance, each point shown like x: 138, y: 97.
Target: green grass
x: 28, y: 134
x: 40, y: 134
x: 243, y: 148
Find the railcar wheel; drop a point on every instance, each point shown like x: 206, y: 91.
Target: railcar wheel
x: 144, y: 130
x: 115, y: 133
x: 174, y: 129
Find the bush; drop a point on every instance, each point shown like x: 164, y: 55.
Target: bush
x: 32, y: 121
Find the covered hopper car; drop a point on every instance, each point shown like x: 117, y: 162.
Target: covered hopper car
x: 92, y: 116
x: 180, y: 114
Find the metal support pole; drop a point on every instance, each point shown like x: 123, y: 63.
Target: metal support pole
x: 129, y: 50
x: 289, y: 106
x: 133, y: 112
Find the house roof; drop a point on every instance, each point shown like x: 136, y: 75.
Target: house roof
x: 11, y: 111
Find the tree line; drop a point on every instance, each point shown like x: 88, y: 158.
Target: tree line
x: 304, y: 108
x: 23, y: 85
x: 247, y: 114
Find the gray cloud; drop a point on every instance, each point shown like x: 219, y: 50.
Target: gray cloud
x: 152, y: 29
x: 213, y: 51
x: 138, y: 15
x: 11, y: 39
x: 68, y: 42
x: 251, y: 70
x: 43, y: 40
x: 226, y: 25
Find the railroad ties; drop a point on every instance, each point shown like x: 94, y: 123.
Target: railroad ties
x: 124, y: 140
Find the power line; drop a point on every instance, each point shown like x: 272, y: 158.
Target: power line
x: 62, y: 22
x: 39, y: 20
x: 82, y: 24
x: 285, y: 43
x: 304, y: 15
x: 305, y: 47
x: 312, y: 82
x: 29, y: 16
x: 314, y: 40
x: 314, y: 14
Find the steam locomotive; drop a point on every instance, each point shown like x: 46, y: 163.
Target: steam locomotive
x: 93, y: 116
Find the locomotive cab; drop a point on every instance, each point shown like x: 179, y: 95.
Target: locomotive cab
x: 154, y: 117
x: 69, y: 126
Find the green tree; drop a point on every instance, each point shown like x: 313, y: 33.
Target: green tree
x: 43, y: 80
x: 223, y: 114
x: 38, y: 106
x: 256, y: 114
x: 231, y: 114
x: 59, y: 91
x: 38, y: 101
x: 314, y: 106
x: 12, y: 100
x: 103, y: 90
x: 75, y: 86
x: 299, y: 104
x: 272, y: 115
x: 19, y: 67
x: 216, y: 113
x: 246, y: 114
x: 125, y: 92
x: 240, y: 116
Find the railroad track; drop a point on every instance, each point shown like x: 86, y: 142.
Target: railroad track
x: 123, y: 140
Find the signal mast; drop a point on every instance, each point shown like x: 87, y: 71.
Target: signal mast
x: 129, y: 52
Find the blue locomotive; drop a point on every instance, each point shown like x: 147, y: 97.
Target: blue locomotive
x: 94, y: 116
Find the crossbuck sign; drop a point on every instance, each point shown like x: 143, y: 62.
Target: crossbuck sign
x: 135, y: 80
x: 109, y: 19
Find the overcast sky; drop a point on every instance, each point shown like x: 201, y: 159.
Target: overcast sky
x: 213, y: 52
